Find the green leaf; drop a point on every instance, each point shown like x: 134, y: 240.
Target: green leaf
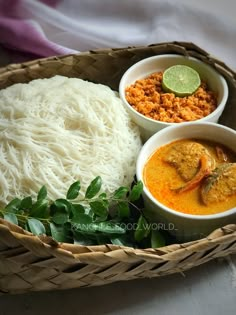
x: 36, y: 227
x: 142, y: 229
x: 60, y: 217
x: 62, y: 205
x: 93, y: 188
x: 83, y: 227
x: 120, y: 193
x: 100, y: 208
x: 123, y: 209
x: 85, y: 223
x: 121, y: 240
x: 102, y: 239
x: 59, y: 233
x: 81, y: 218
x: 14, y: 205
x: 77, y: 210
x: 117, y: 241
x: 94, y: 227
x: 73, y: 191
x: 157, y: 239
x: 26, y: 227
x: 76, y: 207
x: 42, y: 194
x: 61, y: 210
x: 109, y: 227
x: 103, y: 196
x: 82, y: 239
x: 26, y: 203
x: 11, y: 217
x: 136, y: 191
x: 40, y: 209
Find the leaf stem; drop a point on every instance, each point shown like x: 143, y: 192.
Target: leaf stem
x: 25, y: 217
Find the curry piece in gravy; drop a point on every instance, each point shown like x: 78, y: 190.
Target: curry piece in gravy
x: 185, y: 157
x: 220, y: 185
x: 193, y: 176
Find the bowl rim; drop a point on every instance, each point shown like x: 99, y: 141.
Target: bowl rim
x: 221, y: 78
x: 139, y: 173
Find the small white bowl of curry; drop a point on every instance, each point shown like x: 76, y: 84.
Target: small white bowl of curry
x: 189, y: 176
x: 153, y: 108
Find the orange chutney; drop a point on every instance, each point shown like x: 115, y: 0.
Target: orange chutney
x: 162, y: 179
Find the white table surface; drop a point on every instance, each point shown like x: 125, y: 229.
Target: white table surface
x: 207, y: 289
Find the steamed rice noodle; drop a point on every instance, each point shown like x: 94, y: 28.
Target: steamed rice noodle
x: 56, y: 131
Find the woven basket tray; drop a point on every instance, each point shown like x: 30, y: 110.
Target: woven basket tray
x: 30, y: 263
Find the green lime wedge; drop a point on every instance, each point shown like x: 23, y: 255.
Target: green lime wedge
x: 180, y: 80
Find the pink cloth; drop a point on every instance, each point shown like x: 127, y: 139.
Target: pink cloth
x: 22, y: 36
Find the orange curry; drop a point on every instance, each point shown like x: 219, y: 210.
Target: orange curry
x: 193, y: 176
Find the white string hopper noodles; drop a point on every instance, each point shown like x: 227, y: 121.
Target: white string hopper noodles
x: 59, y: 130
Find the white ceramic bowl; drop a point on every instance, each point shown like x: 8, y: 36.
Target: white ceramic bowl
x: 185, y: 226
x: 145, y: 67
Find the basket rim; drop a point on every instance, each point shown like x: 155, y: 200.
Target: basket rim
x: 216, y: 237
x: 184, y: 48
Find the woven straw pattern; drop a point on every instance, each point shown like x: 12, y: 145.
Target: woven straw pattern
x: 30, y: 263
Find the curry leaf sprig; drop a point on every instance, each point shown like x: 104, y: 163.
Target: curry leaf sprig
x: 93, y: 219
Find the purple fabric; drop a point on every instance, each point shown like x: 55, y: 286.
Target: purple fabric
x: 9, y: 7
x: 21, y: 36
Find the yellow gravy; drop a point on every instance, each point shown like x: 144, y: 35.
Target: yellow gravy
x: 161, y: 178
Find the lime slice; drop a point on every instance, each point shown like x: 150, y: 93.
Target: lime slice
x: 180, y: 80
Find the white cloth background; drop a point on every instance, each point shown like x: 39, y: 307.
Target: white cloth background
x: 80, y: 25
